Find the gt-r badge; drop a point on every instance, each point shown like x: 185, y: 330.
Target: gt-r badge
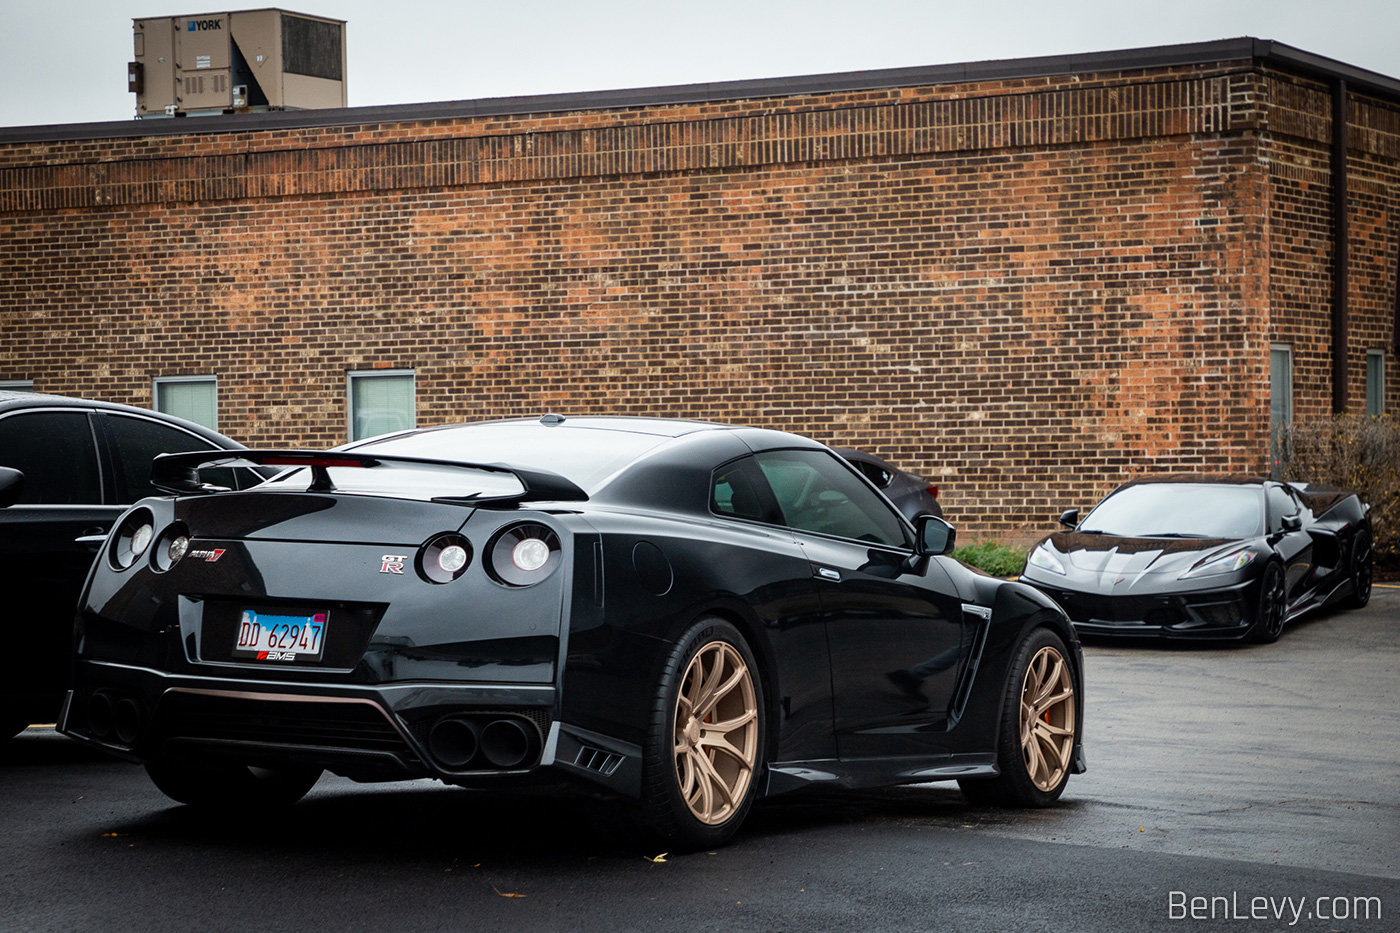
x: 393, y: 563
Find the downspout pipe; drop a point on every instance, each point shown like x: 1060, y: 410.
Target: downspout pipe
x: 1395, y: 328
x: 1339, y: 246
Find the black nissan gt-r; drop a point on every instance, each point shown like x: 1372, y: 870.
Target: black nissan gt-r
x: 1199, y: 556
x: 682, y: 616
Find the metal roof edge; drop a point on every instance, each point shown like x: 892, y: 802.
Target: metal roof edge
x: 1221, y: 50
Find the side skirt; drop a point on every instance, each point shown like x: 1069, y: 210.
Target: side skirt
x: 788, y: 776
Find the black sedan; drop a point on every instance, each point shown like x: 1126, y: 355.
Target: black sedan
x: 913, y: 495
x: 1207, y: 557
x: 69, y: 467
x: 680, y: 616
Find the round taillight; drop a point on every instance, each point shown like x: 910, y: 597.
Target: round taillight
x: 444, y: 558
x: 172, y: 545
x: 131, y: 538
x: 524, y: 554
x: 530, y: 555
x: 452, y: 558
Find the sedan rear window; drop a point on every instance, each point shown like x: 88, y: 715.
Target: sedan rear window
x: 56, y: 453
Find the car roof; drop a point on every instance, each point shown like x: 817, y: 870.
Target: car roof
x: 1214, y: 479
x: 12, y: 400
x: 661, y: 427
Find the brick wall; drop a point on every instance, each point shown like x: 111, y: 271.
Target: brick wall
x: 1297, y: 152
x: 1024, y: 289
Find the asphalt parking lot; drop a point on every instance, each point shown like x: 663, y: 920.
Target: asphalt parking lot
x: 1284, y: 754
x: 1225, y: 773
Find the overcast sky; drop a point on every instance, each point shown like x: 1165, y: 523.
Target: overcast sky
x: 64, y: 61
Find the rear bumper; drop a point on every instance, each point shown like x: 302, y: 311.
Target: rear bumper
x: 476, y: 734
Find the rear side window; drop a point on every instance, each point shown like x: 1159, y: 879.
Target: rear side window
x: 57, y: 455
x: 816, y: 493
x: 137, y: 441
x: 738, y: 490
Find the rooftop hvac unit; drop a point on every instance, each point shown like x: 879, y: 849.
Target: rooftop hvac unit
x: 213, y: 63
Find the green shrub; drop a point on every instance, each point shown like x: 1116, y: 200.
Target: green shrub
x: 996, y: 559
x: 1360, y: 452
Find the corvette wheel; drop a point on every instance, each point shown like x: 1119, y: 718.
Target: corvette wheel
x: 1268, y: 621
x: 235, y: 787
x: 705, y: 746
x: 1362, y: 559
x: 1035, y: 745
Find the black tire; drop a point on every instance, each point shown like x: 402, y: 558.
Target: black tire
x: 699, y: 782
x: 1037, y: 734
x: 234, y: 787
x: 1362, y: 561
x: 1273, y: 606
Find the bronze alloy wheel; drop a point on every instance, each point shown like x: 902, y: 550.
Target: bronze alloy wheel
x: 1047, y: 718
x: 716, y: 736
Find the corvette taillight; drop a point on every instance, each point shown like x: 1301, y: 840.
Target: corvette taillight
x: 523, y: 554
x: 932, y: 490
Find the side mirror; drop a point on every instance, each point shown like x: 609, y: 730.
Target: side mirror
x: 1293, y: 523
x: 935, y: 536
x: 1069, y: 518
x: 11, y: 486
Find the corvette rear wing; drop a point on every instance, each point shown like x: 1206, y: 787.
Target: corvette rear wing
x: 179, y: 473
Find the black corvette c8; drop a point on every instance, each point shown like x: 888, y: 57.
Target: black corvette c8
x: 1201, y: 556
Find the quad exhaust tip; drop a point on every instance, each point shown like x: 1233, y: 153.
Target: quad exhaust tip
x: 114, y: 718
x: 505, y: 743
x: 461, y: 742
x: 99, y: 711
x: 453, y: 741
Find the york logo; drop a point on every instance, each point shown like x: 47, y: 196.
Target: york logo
x: 205, y: 25
x: 393, y: 563
x: 208, y: 556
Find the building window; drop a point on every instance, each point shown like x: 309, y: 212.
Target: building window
x: 194, y: 398
x: 17, y: 385
x: 1280, y: 385
x: 1375, y: 382
x: 1280, y: 400
x: 381, y: 401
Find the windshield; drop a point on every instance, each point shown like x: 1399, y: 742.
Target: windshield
x: 583, y: 456
x: 1191, y: 510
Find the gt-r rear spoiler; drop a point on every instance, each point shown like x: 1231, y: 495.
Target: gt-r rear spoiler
x: 179, y: 473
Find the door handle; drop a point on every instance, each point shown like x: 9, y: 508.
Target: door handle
x: 92, y: 538
x: 826, y: 573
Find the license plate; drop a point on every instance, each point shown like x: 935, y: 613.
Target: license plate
x: 266, y: 637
